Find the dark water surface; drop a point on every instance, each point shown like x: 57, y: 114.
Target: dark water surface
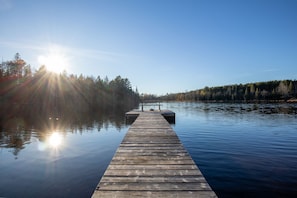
x: 243, y: 150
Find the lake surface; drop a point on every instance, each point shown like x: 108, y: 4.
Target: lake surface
x: 243, y: 150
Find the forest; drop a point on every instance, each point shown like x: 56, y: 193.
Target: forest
x: 44, y: 95
x: 270, y: 91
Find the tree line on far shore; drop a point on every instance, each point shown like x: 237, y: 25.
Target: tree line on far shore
x: 45, y: 94
x: 271, y: 91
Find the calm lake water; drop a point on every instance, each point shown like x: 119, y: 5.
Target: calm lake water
x: 243, y: 150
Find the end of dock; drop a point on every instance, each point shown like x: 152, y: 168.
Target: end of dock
x: 167, y: 114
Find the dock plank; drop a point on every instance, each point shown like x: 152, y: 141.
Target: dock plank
x: 158, y: 179
x: 152, y: 162
x: 167, y: 194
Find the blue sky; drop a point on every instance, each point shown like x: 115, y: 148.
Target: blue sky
x: 161, y: 46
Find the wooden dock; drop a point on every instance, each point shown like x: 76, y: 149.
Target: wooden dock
x: 167, y: 114
x: 152, y: 162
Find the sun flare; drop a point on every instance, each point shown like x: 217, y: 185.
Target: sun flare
x: 55, y: 60
x: 55, y: 140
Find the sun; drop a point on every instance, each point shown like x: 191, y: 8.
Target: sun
x: 55, y: 60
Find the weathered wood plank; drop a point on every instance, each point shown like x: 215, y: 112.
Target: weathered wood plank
x: 145, y: 139
x: 159, y: 167
x: 152, y: 162
x: 157, y: 179
x: 147, y: 154
x: 149, y: 157
x: 151, y: 145
x: 163, y: 194
x: 162, y: 186
x: 151, y: 172
x: 156, y: 149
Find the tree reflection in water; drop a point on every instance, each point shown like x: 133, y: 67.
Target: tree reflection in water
x: 17, y: 131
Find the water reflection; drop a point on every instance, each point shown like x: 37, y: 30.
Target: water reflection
x: 55, y: 140
x: 17, y: 132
